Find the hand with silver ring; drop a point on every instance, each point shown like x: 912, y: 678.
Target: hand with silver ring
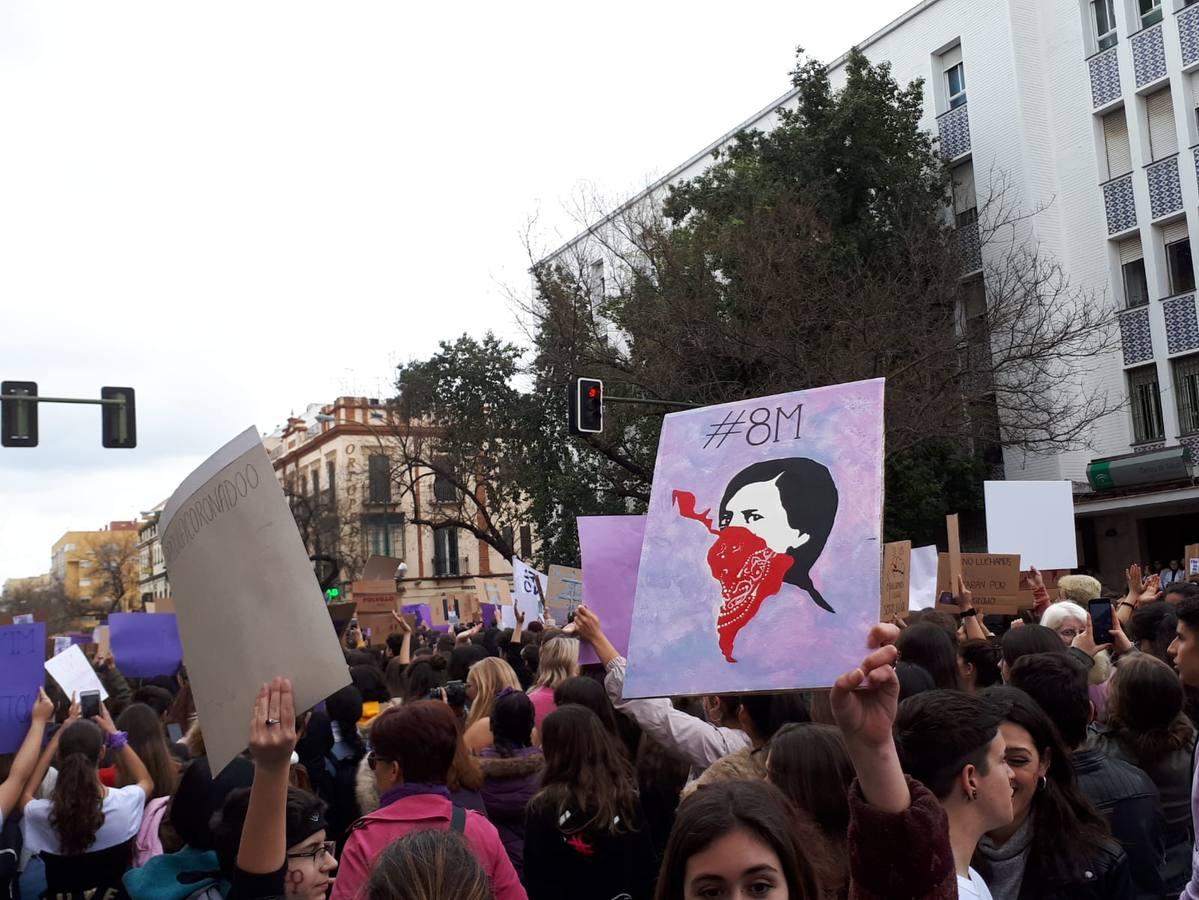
x: 273, y: 728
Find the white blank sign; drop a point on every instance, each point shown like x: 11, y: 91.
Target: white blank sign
x: 1034, y: 519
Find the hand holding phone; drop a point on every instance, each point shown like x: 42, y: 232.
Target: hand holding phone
x: 1101, y: 621
x: 89, y: 702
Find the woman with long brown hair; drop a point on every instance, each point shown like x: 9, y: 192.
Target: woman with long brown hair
x: 84, y: 831
x: 584, y: 834
x: 149, y: 742
x: 484, y: 681
x: 1147, y: 727
x: 428, y: 865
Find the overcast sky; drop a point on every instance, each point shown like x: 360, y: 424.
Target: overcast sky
x: 241, y: 208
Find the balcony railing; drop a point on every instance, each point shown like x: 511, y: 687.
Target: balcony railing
x: 954, y: 129
x: 1105, y: 77
x: 969, y: 247
x: 1188, y: 34
x: 1165, y: 192
x: 1119, y: 204
x: 1149, y: 55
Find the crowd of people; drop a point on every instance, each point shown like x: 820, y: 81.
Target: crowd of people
x: 967, y: 756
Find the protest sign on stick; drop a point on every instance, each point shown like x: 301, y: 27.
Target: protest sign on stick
x: 145, y: 645
x: 897, y: 566
x: 528, y: 589
x: 22, y: 653
x: 611, y: 551
x: 103, y: 641
x: 760, y: 566
x: 248, y: 604
x: 955, y: 551
x: 993, y: 580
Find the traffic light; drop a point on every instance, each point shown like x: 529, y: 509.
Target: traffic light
x: 119, y: 428
x: 587, y: 406
x: 18, y: 418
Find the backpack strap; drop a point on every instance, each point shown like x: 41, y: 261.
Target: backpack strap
x: 458, y: 820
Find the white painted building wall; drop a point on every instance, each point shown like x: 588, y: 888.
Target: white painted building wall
x: 1032, y: 115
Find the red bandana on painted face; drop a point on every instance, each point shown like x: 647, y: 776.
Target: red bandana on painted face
x: 748, y: 572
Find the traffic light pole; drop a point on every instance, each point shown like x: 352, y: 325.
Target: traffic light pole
x: 22, y: 398
x: 678, y: 404
x: 19, y: 420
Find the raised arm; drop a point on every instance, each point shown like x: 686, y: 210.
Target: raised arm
x: 272, y: 739
x: 43, y: 763
x: 133, y: 770
x: 27, y: 757
x: 405, y: 656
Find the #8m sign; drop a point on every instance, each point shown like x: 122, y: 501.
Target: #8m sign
x: 760, y: 565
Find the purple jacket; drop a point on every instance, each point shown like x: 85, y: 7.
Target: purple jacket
x: 509, y: 784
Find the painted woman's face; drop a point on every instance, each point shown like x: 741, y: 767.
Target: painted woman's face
x: 758, y: 508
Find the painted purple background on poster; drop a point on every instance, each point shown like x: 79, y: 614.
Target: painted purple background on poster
x: 611, y: 551
x: 145, y: 644
x: 22, y: 652
x: 422, y: 612
x: 767, y: 601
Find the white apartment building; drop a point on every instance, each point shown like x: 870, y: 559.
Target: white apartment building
x: 152, y: 580
x: 337, y: 459
x: 1089, y: 108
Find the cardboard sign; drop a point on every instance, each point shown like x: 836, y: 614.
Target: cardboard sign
x: 1033, y: 520
x: 375, y: 596
x: 993, y: 579
x: 897, y: 566
x: 494, y: 591
x: 74, y: 673
x: 381, y: 568
x: 611, y: 550
x: 341, y: 615
x: 760, y: 565
x: 420, y: 614
x: 564, y: 592
x: 62, y: 643
x: 145, y: 645
x: 439, y: 613
x: 22, y: 654
x: 249, y: 607
x: 103, y: 641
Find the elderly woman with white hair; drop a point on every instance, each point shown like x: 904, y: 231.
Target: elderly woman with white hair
x: 1069, y: 619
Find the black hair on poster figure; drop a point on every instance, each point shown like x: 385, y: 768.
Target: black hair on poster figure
x: 809, y: 495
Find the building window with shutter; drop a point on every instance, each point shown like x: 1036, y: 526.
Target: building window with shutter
x: 1132, y: 268
x: 1186, y: 390
x: 1115, y: 141
x: 379, y: 478
x: 1163, y: 138
x: 1103, y: 17
x: 1145, y: 399
x: 965, y: 199
x: 526, y: 542
x: 445, y: 552
x: 1151, y: 12
x: 331, y: 478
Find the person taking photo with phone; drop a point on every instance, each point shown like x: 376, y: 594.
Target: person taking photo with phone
x: 84, y: 832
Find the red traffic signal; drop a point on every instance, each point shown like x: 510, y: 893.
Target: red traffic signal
x: 587, y: 406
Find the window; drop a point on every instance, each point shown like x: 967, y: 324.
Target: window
x: 445, y: 552
x: 379, y: 478
x: 510, y: 537
x: 526, y: 542
x: 1182, y: 272
x: 1186, y: 390
x: 955, y: 85
x: 331, y: 478
x: 444, y: 490
x: 316, y: 481
x: 385, y: 540
x: 1163, y: 138
x: 1151, y: 12
x: 965, y: 202
x: 1103, y: 15
x: 1132, y: 270
x: 1116, y: 146
x: 1146, y: 404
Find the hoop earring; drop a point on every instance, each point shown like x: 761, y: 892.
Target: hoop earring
x: 1041, y: 783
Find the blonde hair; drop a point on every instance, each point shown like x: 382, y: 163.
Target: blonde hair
x: 1080, y: 588
x: 558, y: 661
x: 489, y: 677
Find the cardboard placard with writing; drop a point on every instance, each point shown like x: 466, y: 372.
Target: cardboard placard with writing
x: 438, y: 612
x: 375, y: 596
x: 564, y: 592
x: 897, y: 561
x: 494, y: 591
x: 993, y: 579
x: 379, y: 624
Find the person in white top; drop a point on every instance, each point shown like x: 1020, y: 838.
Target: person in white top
x: 83, y: 818
x: 950, y: 741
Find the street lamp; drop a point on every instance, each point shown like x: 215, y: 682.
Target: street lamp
x: 401, y: 571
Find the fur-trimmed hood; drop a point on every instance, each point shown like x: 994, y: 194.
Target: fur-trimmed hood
x: 497, y: 767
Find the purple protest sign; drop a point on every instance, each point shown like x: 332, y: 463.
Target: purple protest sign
x: 22, y: 653
x: 81, y: 640
x: 488, y: 611
x: 611, y: 551
x: 145, y: 644
x: 421, y: 611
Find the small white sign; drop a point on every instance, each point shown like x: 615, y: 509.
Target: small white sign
x: 922, y: 578
x: 74, y: 673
